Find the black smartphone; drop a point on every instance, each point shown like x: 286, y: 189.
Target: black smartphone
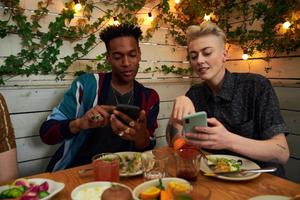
x: 132, y: 111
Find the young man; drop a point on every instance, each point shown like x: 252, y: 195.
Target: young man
x: 8, y: 152
x: 244, y: 116
x: 86, y: 122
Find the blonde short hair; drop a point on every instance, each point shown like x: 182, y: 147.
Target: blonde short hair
x: 205, y: 28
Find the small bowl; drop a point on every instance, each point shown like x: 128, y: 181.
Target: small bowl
x: 142, y: 187
x: 102, y: 184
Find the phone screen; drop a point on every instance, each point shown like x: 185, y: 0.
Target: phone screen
x: 196, y: 119
x: 132, y: 111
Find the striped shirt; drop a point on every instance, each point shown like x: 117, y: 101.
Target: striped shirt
x: 7, y: 137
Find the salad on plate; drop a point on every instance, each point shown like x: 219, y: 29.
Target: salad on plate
x: 130, y: 163
x: 224, y: 165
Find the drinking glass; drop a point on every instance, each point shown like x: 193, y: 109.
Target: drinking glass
x: 106, y: 167
x: 154, y: 165
x: 187, y: 163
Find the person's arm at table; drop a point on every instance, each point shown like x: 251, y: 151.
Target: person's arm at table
x: 173, y: 131
x: 54, y: 131
x: 8, y: 166
x: 182, y: 106
x: 8, y: 153
x: 271, y: 150
x: 217, y: 136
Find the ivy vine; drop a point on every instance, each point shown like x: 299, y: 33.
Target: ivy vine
x: 40, y: 53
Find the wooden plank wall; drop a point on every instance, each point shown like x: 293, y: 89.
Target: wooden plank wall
x: 30, y: 99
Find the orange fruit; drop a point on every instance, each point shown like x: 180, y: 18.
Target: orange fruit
x: 150, y: 193
x: 179, y: 143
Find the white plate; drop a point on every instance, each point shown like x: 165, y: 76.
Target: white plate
x: 139, y: 170
x: 247, y: 164
x: 270, y: 197
x: 54, y: 187
x: 103, y: 185
x: 143, y: 186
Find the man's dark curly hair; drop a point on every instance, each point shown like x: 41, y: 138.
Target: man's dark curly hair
x: 124, y: 29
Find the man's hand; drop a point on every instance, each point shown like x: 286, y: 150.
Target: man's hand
x: 131, y: 130
x: 97, y: 116
x: 214, y: 137
x: 182, y: 106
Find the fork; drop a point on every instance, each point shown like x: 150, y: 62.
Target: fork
x: 243, y: 171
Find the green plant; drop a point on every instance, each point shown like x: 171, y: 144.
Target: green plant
x: 41, y: 50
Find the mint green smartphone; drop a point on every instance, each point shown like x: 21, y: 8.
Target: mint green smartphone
x: 196, y: 119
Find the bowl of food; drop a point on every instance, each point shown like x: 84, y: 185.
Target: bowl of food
x: 165, y: 188
x: 102, y: 190
x: 35, y: 188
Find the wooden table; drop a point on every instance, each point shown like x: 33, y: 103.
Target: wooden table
x: 213, y: 188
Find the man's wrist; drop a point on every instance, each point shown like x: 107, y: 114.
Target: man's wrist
x: 143, y: 142
x: 75, y: 126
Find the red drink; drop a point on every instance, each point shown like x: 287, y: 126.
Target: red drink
x: 187, y: 163
x: 106, y: 169
x: 187, y: 174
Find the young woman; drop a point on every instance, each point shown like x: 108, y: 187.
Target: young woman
x: 242, y: 108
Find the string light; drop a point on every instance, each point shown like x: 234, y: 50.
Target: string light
x: 177, y: 1
x: 206, y: 17
x: 77, y: 6
x: 150, y: 17
x: 245, y: 56
x: 116, y: 22
x: 286, y: 25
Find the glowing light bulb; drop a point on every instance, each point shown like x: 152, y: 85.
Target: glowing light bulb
x: 177, y: 1
x: 116, y: 22
x: 245, y: 56
x: 286, y: 25
x: 206, y: 17
x: 77, y: 7
x: 150, y: 17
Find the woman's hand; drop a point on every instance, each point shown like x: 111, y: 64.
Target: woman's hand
x: 216, y: 136
x: 182, y: 106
